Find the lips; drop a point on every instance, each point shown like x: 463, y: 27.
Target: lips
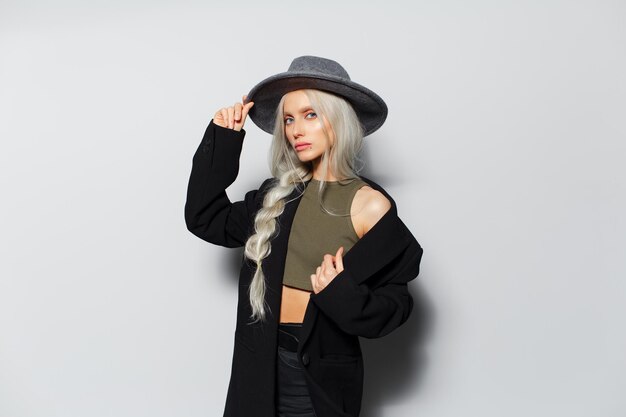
x: 302, y: 145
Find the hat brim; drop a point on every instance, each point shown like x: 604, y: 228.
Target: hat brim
x: 369, y: 107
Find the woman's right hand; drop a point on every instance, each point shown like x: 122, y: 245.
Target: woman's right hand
x: 233, y: 117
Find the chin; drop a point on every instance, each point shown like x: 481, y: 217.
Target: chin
x: 309, y: 158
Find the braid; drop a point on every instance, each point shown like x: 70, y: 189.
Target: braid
x: 258, y: 246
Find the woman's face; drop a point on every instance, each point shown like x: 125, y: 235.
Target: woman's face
x: 303, y: 129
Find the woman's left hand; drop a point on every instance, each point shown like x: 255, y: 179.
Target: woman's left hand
x: 331, y: 267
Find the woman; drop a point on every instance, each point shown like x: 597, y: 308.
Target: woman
x: 327, y: 259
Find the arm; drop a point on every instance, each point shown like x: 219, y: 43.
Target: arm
x: 372, y: 312
x: 209, y: 213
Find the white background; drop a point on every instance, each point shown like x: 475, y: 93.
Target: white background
x: 504, y: 150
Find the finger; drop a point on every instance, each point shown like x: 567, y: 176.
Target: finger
x: 231, y: 117
x: 328, y: 263
x: 217, y: 118
x: 246, y: 109
x: 322, y: 280
x: 225, y: 116
x: 339, y: 259
x: 318, y: 281
x: 326, y: 267
x: 238, y: 107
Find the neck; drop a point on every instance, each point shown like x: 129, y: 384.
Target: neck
x: 317, y: 172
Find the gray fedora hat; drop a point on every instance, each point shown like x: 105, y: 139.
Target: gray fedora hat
x: 320, y: 73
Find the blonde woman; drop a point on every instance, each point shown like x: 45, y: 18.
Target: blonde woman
x: 326, y: 260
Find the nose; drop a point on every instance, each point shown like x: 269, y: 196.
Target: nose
x: 296, y: 128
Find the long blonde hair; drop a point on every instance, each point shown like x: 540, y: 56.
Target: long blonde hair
x: 288, y: 171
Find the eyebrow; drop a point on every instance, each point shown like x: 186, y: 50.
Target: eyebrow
x: 302, y: 110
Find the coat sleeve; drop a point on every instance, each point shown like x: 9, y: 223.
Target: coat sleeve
x: 372, y: 312
x: 209, y: 213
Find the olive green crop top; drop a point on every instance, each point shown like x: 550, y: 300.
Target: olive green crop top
x: 315, y: 233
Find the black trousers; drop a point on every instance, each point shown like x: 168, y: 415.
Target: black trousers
x: 292, y: 393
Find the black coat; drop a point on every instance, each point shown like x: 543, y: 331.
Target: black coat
x: 369, y: 298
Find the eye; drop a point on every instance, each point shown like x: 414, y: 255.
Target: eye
x: 287, y: 119
x: 312, y: 113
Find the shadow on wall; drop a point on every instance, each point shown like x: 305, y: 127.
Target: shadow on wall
x: 395, y: 364
x: 235, y: 264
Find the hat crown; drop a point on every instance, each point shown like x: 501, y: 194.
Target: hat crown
x: 318, y: 65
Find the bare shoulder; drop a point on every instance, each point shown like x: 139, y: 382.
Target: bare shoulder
x: 368, y: 207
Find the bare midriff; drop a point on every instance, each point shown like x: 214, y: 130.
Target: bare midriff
x: 293, y: 304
